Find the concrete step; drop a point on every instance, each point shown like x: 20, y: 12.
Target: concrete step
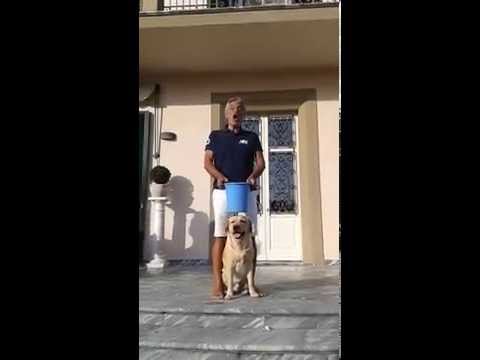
x: 177, y: 354
x: 240, y: 340
x: 234, y: 321
x: 313, y: 305
x: 238, y: 336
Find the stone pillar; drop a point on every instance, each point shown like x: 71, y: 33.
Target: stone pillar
x: 157, y: 229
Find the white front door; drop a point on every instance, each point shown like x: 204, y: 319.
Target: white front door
x: 278, y: 234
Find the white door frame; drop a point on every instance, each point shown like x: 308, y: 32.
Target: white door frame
x: 265, y: 217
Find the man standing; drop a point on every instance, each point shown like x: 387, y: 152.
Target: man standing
x: 231, y: 154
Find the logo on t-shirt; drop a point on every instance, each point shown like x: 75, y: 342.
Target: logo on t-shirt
x: 243, y: 141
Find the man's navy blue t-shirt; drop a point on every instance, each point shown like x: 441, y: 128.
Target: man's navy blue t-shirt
x: 233, y: 154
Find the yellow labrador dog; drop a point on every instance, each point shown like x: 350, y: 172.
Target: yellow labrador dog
x: 238, y: 257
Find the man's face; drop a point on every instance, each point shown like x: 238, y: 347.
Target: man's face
x: 235, y: 113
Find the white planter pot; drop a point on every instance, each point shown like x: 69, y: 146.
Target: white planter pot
x: 156, y: 189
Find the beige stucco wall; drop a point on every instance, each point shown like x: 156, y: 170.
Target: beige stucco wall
x: 186, y: 102
x: 149, y: 5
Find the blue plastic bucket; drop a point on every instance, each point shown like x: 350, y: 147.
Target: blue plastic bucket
x: 237, y: 196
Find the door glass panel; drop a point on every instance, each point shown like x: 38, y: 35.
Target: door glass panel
x: 251, y: 123
x: 280, y: 131
x: 282, y: 165
x: 282, y: 182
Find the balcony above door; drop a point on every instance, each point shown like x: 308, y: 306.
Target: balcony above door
x: 247, y: 39
x: 153, y: 7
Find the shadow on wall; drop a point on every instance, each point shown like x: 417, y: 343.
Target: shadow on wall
x: 190, y: 232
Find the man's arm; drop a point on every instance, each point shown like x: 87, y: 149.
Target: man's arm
x: 211, y: 169
x: 259, y: 167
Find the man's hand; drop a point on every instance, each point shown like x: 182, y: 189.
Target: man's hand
x: 251, y: 180
x: 221, y: 180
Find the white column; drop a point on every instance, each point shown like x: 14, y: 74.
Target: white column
x: 157, y: 229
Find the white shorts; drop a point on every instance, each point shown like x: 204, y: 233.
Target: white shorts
x: 219, y: 200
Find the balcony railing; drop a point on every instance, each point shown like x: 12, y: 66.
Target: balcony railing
x: 155, y: 6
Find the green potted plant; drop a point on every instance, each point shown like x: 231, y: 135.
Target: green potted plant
x: 159, y: 176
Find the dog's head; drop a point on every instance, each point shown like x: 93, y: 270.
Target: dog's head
x: 238, y: 227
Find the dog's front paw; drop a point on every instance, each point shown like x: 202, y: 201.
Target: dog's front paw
x: 228, y: 296
x: 255, y: 293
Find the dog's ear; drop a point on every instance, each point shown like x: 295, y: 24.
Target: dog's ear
x: 226, y: 227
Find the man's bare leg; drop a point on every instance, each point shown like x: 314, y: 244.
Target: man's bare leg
x: 255, y: 265
x: 217, y: 265
x: 254, y: 255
